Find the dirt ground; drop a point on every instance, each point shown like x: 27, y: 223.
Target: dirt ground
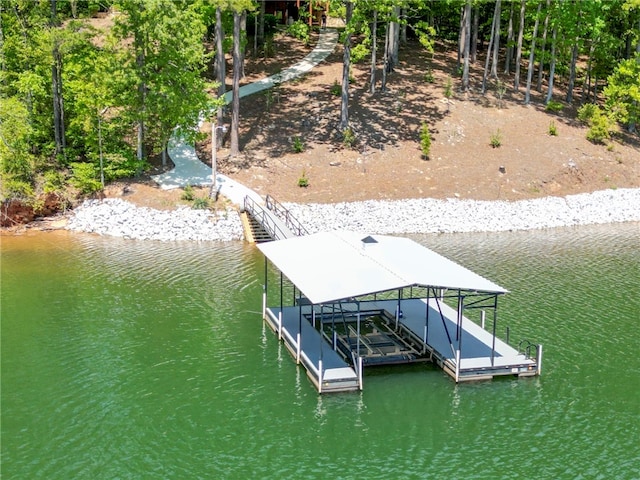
x: 385, y: 161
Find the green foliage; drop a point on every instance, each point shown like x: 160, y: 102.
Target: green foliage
x: 188, y: 194
x: 599, y: 127
x: 553, y: 129
x: 336, y: 89
x: 303, y: 181
x: 501, y: 89
x: 201, y: 203
x: 496, y: 139
x: 299, y: 30
x: 623, y: 91
x: 428, y: 76
x: 359, y: 52
x: 85, y: 177
x: 348, y: 138
x: 586, y: 112
x: 298, y: 145
x: 598, y: 121
x: 553, y: 106
x: 425, y: 140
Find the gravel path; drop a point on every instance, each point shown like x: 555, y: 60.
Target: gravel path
x: 122, y: 219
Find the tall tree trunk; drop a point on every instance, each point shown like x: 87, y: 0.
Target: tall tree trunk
x: 586, y: 92
x: 492, y: 37
x: 542, y: 48
x: 516, y: 83
x: 496, y: 40
x: 220, y: 68
x: 385, y: 62
x: 527, y: 94
x: 139, y: 47
x: 552, y: 67
x: 474, y: 34
x: 243, y: 30
x: 467, y: 43
x: 56, y: 85
x: 235, y: 104
x: 461, y: 32
x: 572, y: 72
x: 346, y: 66
x: 509, y: 52
x: 394, y: 40
x: 374, y: 50
x: 261, y: 23
x: 403, y: 27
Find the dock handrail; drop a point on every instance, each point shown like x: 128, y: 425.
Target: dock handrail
x: 258, y: 212
x: 525, y: 347
x: 285, y: 215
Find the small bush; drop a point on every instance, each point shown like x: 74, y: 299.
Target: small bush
x: 425, y: 139
x: 85, y: 177
x: 496, y: 139
x: 428, y: 77
x: 298, y: 145
x: 299, y: 30
x: 553, y: 129
x: 201, y: 203
x: 553, y: 106
x: 303, y: 181
x: 586, y: 112
x: 501, y: 89
x: 188, y: 194
x: 600, y: 129
x: 348, y: 138
x: 335, y: 89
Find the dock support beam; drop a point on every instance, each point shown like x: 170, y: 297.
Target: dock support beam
x: 360, y: 372
x: 320, y: 376
x: 280, y: 325
x: 539, y: 359
x: 298, y: 348
x: 457, y: 365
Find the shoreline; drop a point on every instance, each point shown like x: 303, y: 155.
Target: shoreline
x: 119, y: 218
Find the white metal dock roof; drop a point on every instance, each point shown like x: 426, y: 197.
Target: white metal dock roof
x: 330, y: 266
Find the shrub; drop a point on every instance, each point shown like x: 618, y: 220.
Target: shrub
x: 335, y: 89
x: 299, y: 30
x: 298, y: 145
x: 501, y: 89
x: 348, y: 138
x: 496, y: 139
x: 600, y: 129
x: 428, y: 77
x: 303, y: 181
x: 448, y: 91
x: 84, y: 177
x: 553, y: 129
x: 425, y: 140
x: 586, y: 112
x: 188, y: 194
x: 201, y: 203
x: 553, y: 106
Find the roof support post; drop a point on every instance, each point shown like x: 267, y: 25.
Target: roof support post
x: 539, y: 359
x: 425, y: 338
x: 457, y: 365
x: 264, y: 291
x: 495, y: 319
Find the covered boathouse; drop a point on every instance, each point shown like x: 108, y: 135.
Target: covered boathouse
x: 349, y: 301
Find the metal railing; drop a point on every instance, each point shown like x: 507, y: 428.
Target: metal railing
x: 263, y: 217
x: 285, y: 215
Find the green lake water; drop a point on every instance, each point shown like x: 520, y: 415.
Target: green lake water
x: 134, y: 360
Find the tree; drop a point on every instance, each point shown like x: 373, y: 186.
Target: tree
x: 467, y: 42
x: 532, y: 56
x: 346, y: 66
x: 237, y: 70
x: 516, y: 83
x: 623, y: 92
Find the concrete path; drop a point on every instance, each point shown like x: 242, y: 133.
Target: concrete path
x: 189, y: 170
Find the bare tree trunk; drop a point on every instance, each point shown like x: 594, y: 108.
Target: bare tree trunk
x: 394, y: 40
x: 220, y: 68
x: 542, y: 48
x: 461, y: 32
x: 346, y: 65
x: 374, y: 50
x: 385, y: 61
x: 496, y: 41
x: 509, y: 52
x: 527, y: 94
x: 467, y: 36
x: 403, y: 28
x: 516, y: 83
x: 261, y: 23
x: 586, y: 92
x: 235, y: 103
x: 474, y: 34
x: 552, y: 67
x: 243, y: 29
x: 572, y: 72
x: 56, y: 85
x: 494, y: 34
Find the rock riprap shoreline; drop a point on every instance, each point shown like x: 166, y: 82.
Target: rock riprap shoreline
x: 120, y: 218
x: 123, y: 219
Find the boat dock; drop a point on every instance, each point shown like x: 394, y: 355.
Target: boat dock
x: 360, y: 301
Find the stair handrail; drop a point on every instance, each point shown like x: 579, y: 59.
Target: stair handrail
x: 256, y: 211
x: 285, y: 215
